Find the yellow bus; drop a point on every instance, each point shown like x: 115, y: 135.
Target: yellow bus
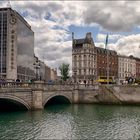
x: 103, y: 80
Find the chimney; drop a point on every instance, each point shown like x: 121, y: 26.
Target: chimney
x: 88, y: 35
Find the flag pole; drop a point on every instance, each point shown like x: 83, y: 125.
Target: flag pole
x: 107, y: 59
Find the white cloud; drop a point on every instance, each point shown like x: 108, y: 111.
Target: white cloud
x: 125, y: 45
x: 101, y: 37
x: 51, y: 39
x: 113, y: 37
x: 113, y: 15
x: 129, y: 45
x: 101, y: 45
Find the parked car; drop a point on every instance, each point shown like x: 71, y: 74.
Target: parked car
x: 50, y: 82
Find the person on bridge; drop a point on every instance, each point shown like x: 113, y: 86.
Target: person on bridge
x: 85, y: 82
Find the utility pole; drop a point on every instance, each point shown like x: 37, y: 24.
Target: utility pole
x: 73, y: 60
x: 37, y: 69
x: 107, y: 67
x: 72, y: 37
x: 107, y: 59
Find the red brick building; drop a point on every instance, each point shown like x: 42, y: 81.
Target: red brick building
x: 102, y: 62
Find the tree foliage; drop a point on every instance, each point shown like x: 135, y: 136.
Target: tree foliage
x: 64, y: 70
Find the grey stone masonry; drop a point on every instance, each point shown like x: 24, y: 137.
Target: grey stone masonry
x: 35, y: 96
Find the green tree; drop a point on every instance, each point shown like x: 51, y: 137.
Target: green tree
x: 64, y: 70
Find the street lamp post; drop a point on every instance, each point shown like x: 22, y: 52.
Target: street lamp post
x: 37, y: 69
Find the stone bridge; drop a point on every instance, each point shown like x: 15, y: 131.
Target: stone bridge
x: 36, y: 96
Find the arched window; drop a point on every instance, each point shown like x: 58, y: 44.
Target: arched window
x: 75, y: 58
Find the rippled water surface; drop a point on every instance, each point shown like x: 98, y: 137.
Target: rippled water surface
x: 72, y: 122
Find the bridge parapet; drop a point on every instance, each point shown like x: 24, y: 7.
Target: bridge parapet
x: 68, y: 87
x: 59, y: 87
x: 38, y: 85
x: 22, y: 85
x: 15, y: 85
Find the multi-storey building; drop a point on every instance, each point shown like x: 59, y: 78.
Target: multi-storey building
x: 42, y: 71
x: 102, y: 62
x: 89, y: 62
x: 50, y: 74
x: 53, y: 74
x: 126, y: 67
x: 137, y: 67
x: 16, y: 46
x: 84, y: 59
x: 47, y: 73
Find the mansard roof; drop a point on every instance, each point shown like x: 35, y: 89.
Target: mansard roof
x: 125, y: 56
x: 137, y: 59
x: 104, y: 51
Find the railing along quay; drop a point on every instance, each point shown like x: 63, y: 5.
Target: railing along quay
x: 47, y: 86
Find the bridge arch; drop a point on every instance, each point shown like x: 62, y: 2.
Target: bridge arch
x: 55, y: 95
x: 17, y: 99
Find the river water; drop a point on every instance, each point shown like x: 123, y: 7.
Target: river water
x: 72, y: 122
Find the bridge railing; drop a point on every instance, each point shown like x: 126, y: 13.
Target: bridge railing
x: 90, y: 86
x: 45, y: 86
x: 15, y: 85
x: 70, y: 86
x: 59, y: 86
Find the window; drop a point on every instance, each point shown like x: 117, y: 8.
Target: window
x: 12, y: 36
x: 12, y: 31
x: 12, y: 58
x: 79, y: 72
x: 75, y: 58
x: 12, y: 54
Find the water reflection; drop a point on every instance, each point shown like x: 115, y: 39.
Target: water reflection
x: 25, y: 49
x: 57, y: 108
x: 72, y: 122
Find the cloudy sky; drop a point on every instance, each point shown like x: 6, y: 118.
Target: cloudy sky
x: 53, y: 23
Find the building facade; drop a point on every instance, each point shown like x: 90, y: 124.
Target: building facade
x: 16, y: 46
x: 53, y: 74
x: 50, y: 74
x: 42, y: 70
x: 137, y: 67
x: 102, y: 62
x: 47, y: 73
x: 84, y: 59
x: 126, y: 67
